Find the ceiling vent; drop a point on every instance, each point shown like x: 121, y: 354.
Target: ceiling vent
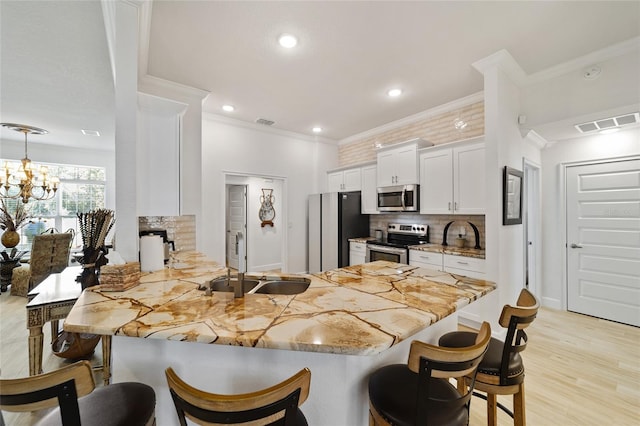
x: 265, y: 122
x: 609, y: 123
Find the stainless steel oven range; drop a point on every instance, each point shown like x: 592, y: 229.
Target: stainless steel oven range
x: 395, y: 248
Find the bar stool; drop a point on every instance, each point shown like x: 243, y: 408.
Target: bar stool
x: 501, y: 372
x: 276, y: 405
x: 419, y: 393
x: 120, y: 404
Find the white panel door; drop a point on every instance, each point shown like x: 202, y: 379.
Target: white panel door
x: 369, y: 190
x: 335, y: 181
x: 603, y: 240
x: 352, y: 180
x: 236, y: 221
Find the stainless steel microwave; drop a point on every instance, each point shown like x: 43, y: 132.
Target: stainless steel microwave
x: 400, y: 198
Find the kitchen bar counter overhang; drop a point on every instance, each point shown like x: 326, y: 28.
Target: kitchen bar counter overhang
x: 349, y: 322
x: 357, y: 310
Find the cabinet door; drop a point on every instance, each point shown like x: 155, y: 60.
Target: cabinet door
x: 386, y: 169
x: 335, y: 181
x: 469, y: 179
x: 369, y: 195
x: 351, y: 180
x: 425, y: 259
x: 406, y: 165
x: 436, y: 182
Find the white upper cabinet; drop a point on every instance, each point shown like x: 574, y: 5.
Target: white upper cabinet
x: 369, y: 202
x: 399, y: 165
x: 344, y: 180
x: 452, y: 180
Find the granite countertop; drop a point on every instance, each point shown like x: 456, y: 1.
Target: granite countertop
x: 456, y: 251
x: 357, y: 310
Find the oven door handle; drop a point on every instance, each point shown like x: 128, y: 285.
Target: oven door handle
x: 383, y: 249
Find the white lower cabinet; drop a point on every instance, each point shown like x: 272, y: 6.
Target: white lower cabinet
x: 471, y: 267
x: 357, y: 253
x: 425, y: 259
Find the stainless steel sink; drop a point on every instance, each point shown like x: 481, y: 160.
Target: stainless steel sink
x: 286, y: 287
x: 220, y: 284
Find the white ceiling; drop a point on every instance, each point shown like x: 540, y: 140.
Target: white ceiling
x: 56, y: 72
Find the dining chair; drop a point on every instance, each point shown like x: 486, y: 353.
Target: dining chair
x: 419, y: 392
x: 71, y: 390
x: 49, y: 255
x: 276, y: 405
x: 501, y: 372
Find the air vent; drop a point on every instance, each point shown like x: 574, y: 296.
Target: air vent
x: 265, y: 121
x: 609, y: 123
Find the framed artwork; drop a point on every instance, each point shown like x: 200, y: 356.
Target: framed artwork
x: 512, y: 196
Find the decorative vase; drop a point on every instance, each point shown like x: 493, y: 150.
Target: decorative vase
x: 460, y: 242
x: 10, y: 238
x: 92, y: 260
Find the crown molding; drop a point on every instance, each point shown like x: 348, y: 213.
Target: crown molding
x: 535, y: 139
x: 432, y: 112
x: 602, y: 55
x: 149, y: 84
x: 262, y: 128
x: 502, y: 60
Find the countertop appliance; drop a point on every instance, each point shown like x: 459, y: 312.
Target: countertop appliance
x: 395, y: 248
x: 334, y: 217
x: 168, y: 244
x: 399, y: 198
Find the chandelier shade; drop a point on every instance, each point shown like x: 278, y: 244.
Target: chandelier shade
x: 25, y: 180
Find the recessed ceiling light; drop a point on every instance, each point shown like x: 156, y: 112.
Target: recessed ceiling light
x: 394, y: 92
x: 228, y: 108
x: 287, y: 41
x: 317, y: 129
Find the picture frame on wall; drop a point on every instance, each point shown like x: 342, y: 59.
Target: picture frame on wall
x: 512, y: 196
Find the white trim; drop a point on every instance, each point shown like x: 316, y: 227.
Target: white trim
x: 148, y: 82
x: 144, y: 35
x: 109, y: 17
x: 262, y: 128
x: 532, y: 137
x: 503, y: 60
x: 441, y: 109
x: 549, y: 302
x: 601, y: 55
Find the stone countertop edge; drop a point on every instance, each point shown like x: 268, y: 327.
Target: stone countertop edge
x: 357, y: 310
x: 456, y: 251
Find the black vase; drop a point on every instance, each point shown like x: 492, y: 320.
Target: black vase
x: 92, y: 261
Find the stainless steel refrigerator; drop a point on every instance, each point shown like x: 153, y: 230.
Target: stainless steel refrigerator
x: 334, y: 217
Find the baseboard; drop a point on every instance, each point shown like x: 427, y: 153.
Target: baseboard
x: 548, y: 302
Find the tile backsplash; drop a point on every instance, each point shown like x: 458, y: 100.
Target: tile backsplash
x: 436, y: 224
x: 180, y: 229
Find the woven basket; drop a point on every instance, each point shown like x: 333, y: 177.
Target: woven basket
x: 75, y: 345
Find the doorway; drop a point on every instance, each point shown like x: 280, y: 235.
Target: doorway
x: 532, y: 226
x: 603, y: 240
x: 236, y: 221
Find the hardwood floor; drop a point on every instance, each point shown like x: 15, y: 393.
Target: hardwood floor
x: 580, y: 370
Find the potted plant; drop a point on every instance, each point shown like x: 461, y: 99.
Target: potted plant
x: 11, y: 223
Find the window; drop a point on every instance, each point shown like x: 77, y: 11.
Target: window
x: 82, y: 188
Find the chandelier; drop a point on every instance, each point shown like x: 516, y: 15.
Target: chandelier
x: 22, y: 180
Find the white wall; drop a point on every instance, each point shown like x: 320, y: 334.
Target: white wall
x: 244, y: 149
x: 42, y: 153
x: 589, y: 148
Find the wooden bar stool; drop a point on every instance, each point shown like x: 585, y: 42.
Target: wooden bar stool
x: 501, y: 372
x: 419, y: 393
x: 276, y: 405
x: 71, y: 390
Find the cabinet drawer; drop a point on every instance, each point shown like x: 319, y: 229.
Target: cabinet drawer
x: 419, y: 257
x: 464, y: 263
x: 358, y: 247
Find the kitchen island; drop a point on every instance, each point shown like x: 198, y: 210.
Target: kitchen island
x: 349, y: 322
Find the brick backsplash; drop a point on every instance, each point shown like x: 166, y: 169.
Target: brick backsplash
x: 180, y: 229
x: 437, y: 130
x: 436, y: 225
